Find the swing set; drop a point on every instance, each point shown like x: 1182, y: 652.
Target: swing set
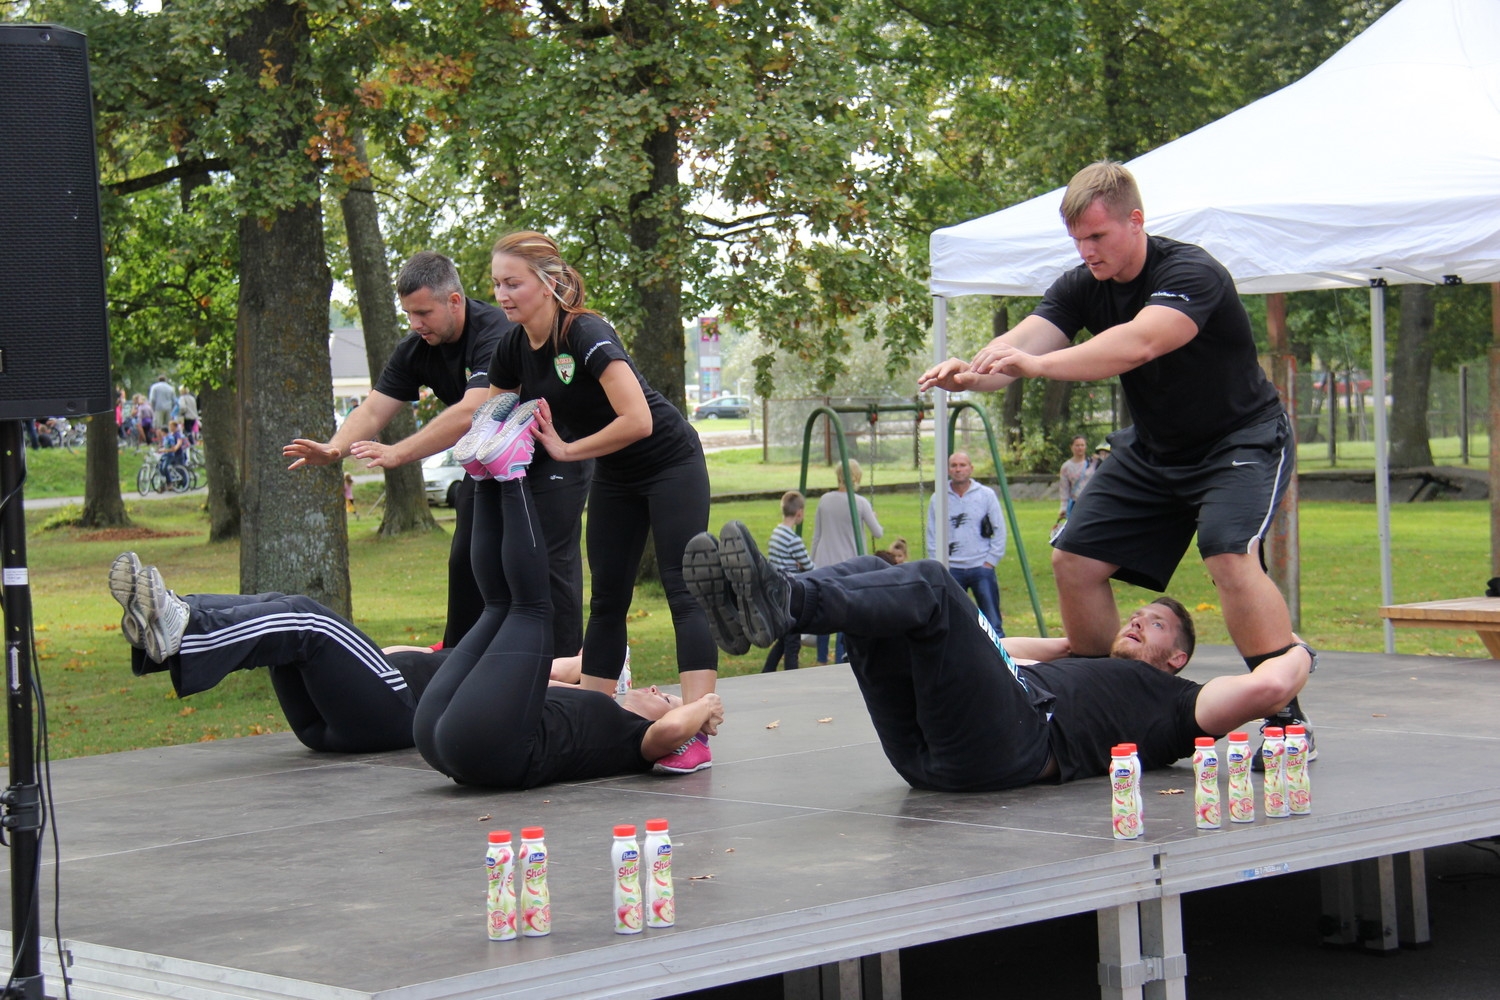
x: 872, y: 412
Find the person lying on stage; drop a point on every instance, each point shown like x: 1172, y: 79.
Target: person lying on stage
x: 954, y: 708
x: 489, y: 717
x: 340, y: 692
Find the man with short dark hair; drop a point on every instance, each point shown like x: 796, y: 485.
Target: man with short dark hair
x: 1210, y: 451
x: 452, y: 340
x: 958, y: 709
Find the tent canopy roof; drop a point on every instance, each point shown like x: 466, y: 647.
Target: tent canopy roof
x: 1384, y: 162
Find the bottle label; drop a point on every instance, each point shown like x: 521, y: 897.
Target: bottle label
x: 536, y: 909
x: 501, y: 902
x: 1124, y: 813
x: 628, y: 910
x: 661, y: 910
x: 1206, y: 790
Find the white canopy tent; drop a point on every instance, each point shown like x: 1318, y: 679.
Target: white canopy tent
x: 1382, y: 166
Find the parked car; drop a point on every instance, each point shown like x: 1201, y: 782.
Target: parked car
x: 728, y: 407
x: 440, y: 478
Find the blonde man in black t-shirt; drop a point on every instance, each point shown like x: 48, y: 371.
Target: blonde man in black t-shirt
x: 1210, y: 451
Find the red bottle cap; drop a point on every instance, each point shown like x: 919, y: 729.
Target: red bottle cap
x: 499, y: 836
x: 1129, y: 747
x: 1203, y: 741
x: 531, y: 833
x: 1296, y: 730
x: 625, y: 830
x: 656, y: 826
x: 1272, y: 731
x: 1239, y: 737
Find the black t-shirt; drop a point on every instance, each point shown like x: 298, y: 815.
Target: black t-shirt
x: 585, y: 734
x: 569, y: 381
x: 1102, y: 702
x: 1188, y: 399
x: 449, y: 370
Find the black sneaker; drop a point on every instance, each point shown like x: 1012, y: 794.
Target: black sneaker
x: 705, y: 579
x: 763, y: 593
x: 1258, y: 763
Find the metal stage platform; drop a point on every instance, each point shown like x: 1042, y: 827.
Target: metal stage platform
x: 254, y: 868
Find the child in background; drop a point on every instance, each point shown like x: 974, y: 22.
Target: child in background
x: 787, y: 553
x: 349, y: 507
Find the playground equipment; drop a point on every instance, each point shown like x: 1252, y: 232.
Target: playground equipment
x: 872, y: 412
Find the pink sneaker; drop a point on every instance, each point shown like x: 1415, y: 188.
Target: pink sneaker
x: 488, y: 419
x: 691, y: 756
x: 507, y: 454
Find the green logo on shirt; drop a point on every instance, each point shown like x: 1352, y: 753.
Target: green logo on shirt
x: 565, y: 367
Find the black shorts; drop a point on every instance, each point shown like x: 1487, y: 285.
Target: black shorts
x: 1140, y: 516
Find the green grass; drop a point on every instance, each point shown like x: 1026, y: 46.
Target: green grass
x: 96, y: 706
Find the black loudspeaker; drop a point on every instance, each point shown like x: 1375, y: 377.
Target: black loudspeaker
x: 54, y: 326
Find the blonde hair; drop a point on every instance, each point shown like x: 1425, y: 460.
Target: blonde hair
x: 791, y: 502
x: 1105, y: 181
x: 854, y: 473
x: 542, y: 256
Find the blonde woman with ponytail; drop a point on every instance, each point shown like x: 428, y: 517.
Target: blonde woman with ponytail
x: 649, y: 473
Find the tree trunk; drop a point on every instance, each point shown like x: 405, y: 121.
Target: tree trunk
x: 293, y: 535
x: 218, y: 411
x: 406, y: 507
x: 103, y: 507
x: 1411, y: 378
x: 656, y: 227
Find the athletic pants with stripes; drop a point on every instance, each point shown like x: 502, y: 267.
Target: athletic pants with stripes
x: 337, y: 689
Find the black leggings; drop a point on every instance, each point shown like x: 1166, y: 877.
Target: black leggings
x: 479, y: 721
x: 560, y: 490
x: 672, y: 506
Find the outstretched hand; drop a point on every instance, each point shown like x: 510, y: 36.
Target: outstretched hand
x: 951, y: 375
x: 308, y: 452
x: 1000, y: 358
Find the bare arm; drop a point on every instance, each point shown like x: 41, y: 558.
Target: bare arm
x: 1033, y: 336
x: 632, y: 420
x: 439, y: 433
x: 364, y: 421
x: 1023, y: 647
x: 682, y: 724
x: 1227, y: 702
x: 1155, y: 331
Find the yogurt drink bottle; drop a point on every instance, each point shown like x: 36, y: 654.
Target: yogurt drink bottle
x: 1241, y: 792
x: 1273, y: 755
x: 1140, y: 801
x: 625, y: 862
x: 656, y: 869
x: 1298, y: 775
x: 1205, y: 783
x: 536, y: 898
x: 500, y: 865
x: 1124, y: 815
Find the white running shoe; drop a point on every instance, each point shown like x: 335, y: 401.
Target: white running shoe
x: 165, y: 615
x: 122, y: 575
x: 508, y: 453
x: 488, y: 419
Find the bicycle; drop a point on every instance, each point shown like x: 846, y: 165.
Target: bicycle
x: 150, y: 478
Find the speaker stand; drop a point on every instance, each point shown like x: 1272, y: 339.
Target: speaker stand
x: 22, y: 800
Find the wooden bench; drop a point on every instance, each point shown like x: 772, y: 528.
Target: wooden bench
x: 1482, y: 614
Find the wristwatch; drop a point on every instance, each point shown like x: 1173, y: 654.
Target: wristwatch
x: 1310, y: 652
